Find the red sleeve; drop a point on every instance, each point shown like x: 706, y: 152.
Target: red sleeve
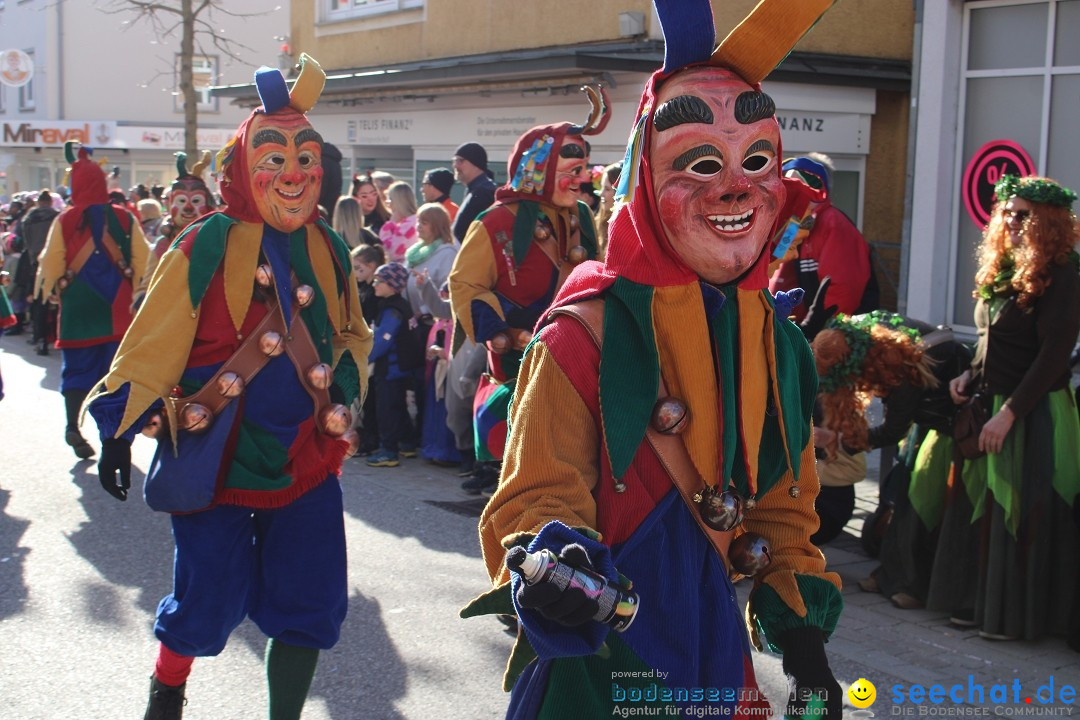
x: 843, y: 255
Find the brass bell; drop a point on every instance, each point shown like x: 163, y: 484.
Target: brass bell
x: 577, y: 255
x: 541, y: 233
x: 62, y: 283
x: 304, y: 295
x: 500, y: 343
x: 5, y: 278
x: 749, y: 553
x: 574, y: 222
x: 264, y: 275
x: 721, y: 510
x: 155, y: 425
x: 195, y: 418
x: 127, y: 272
x: 335, y: 420
x: 271, y: 343
x: 670, y: 415
x: 353, y: 438
x: 230, y: 384
x: 793, y: 491
x: 320, y: 375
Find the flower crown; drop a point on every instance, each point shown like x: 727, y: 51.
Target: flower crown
x: 1037, y: 190
x: 856, y: 332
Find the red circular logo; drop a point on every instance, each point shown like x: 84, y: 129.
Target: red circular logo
x: 990, y: 162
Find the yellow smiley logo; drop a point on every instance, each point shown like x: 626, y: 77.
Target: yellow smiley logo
x: 862, y: 693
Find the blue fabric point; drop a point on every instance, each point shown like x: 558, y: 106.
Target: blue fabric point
x: 273, y: 90
x: 689, y: 36
x: 787, y: 301
x: 275, y: 246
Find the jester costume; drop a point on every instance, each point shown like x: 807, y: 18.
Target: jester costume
x: 187, y: 199
x: 92, y: 261
x: 582, y: 467
x: 271, y: 546
x: 516, y: 256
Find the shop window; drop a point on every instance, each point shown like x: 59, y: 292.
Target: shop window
x: 26, y: 92
x: 1021, y: 82
x: 347, y: 9
x: 204, y: 71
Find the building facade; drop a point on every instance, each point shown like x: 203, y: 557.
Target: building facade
x: 110, y: 83
x: 410, y: 80
x: 998, y: 91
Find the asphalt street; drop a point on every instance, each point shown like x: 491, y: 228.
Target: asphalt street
x: 81, y: 575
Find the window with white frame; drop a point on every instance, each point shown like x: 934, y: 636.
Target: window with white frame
x: 26, y: 92
x: 204, y: 75
x: 1020, y: 82
x: 347, y: 9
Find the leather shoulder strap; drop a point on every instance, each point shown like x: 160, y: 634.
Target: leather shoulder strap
x: 669, y: 449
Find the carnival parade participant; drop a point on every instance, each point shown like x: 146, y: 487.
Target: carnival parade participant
x: 908, y: 365
x: 1009, y: 545
x: 241, y: 361
x: 517, y: 255
x: 187, y: 199
x: 92, y: 262
x: 660, y: 432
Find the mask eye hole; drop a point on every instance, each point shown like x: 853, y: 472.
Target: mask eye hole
x: 757, y: 162
x: 706, y: 166
x: 307, y: 160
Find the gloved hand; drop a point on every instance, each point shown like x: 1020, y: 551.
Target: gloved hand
x: 115, y: 458
x: 568, y: 607
x: 807, y: 669
x: 817, y: 314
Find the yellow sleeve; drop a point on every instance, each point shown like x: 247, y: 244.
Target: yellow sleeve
x: 154, y: 352
x: 355, y: 335
x: 140, y: 252
x: 473, y: 277
x: 52, y: 263
x: 551, y: 463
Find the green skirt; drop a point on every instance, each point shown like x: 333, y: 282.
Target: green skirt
x: 1009, y: 547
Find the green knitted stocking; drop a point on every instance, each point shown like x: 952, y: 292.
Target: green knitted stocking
x: 289, y: 670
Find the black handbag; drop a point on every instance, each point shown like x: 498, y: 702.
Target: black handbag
x: 968, y: 424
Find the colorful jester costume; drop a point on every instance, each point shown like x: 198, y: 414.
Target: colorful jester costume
x: 271, y: 545
x: 516, y: 256
x: 642, y: 347
x: 92, y: 262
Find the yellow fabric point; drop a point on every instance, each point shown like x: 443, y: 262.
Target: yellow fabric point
x: 323, y: 264
x: 761, y: 41
x: 474, y: 273
x: 308, y: 86
x: 241, y: 258
x: 688, y: 369
x: 755, y: 370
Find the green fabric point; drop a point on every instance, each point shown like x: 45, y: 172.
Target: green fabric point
x: 347, y: 377
x: 725, y: 327
x: 121, y: 238
x: 207, y: 252
x: 773, y: 617
x: 926, y: 489
x: 258, y: 461
x: 588, y: 230
x: 524, y: 227
x: 497, y: 601
x: 629, y: 371
x: 797, y: 374
x: 86, y: 314
x: 315, y: 314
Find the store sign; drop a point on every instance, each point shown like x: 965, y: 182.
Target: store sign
x: 16, y: 68
x: 990, y: 162
x: 152, y: 137
x: 44, y: 133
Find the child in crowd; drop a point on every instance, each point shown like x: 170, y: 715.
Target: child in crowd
x: 395, y: 356
x: 365, y: 261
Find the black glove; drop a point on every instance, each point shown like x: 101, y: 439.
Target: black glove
x: 568, y: 607
x: 817, y: 314
x: 115, y: 458
x: 807, y: 669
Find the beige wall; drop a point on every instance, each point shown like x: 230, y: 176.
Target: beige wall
x: 448, y: 28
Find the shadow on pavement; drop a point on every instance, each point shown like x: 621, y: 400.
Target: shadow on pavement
x: 13, y: 590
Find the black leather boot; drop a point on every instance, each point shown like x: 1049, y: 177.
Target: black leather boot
x: 166, y: 701
x: 73, y: 400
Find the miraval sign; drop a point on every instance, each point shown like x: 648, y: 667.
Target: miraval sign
x: 36, y: 134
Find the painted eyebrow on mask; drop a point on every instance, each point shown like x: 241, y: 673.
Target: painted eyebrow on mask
x: 762, y: 144
x: 267, y: 135
x: 681, y: 110
x: 696, y: 153
x: 307, y: 135
x: 752, y: 106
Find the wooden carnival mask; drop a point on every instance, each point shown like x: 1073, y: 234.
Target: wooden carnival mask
x: 284, y: 158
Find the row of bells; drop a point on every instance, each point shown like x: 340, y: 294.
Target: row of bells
x: 264, y: 277
x: 722, y: 511
x: 69, y: 275
x: 575, y: 255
